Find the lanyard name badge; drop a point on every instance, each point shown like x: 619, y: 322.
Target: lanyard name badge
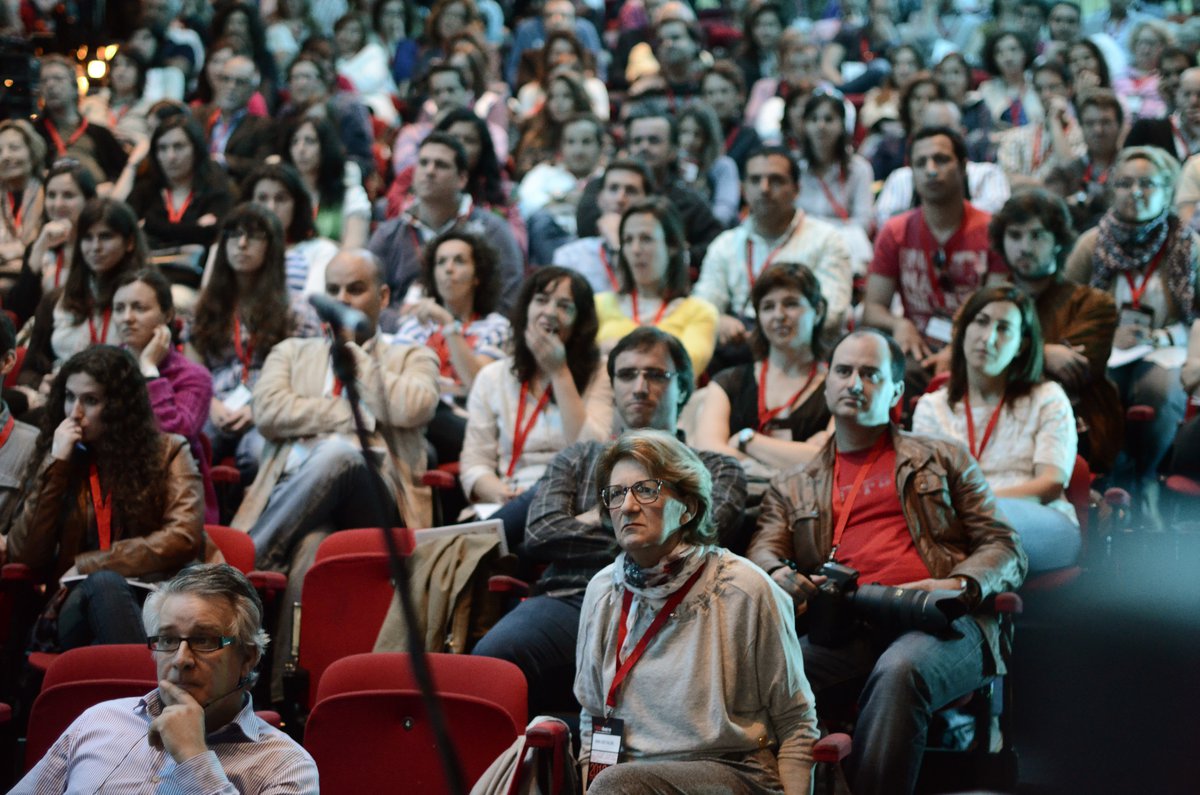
x: 1133, y: 313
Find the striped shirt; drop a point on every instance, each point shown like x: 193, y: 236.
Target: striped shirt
x: 105, y: 750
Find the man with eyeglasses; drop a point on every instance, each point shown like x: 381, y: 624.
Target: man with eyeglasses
x: 66, y: 132
x: 197, y: 731
x: 236, y: 139
x: 933, y: 257
x: 652, y: 380
x: 905, y: 511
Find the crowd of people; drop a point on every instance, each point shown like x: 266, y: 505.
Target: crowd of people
x: 664, y: 283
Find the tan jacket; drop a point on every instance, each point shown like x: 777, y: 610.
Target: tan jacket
x: 947, y: 504
x: 399, y: 388
x: 53, y: 526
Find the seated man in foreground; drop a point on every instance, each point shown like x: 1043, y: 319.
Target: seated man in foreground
x: 905, y: 511
x: 197, y: 732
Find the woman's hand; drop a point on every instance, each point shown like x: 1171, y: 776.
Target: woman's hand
x: 428, y: 310
x: 1085, y: 81
x: 156, y: 349
x: 547, y: 349
x: 208, y: 219
x: 66, y: 436
x: 1129, y: 335
x: 495, y: 490
x: 241, y: 420
x: 54, y: 234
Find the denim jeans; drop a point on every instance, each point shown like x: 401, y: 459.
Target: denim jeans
x: 1146, y: 384
x: 1049, y: 538
x: 907, y: 679
x: 100, y: 610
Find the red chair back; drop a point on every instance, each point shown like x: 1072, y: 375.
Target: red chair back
x: 81, y: 678
x: 364, y: 540
x: 369, y: 726
x: 236, y: 546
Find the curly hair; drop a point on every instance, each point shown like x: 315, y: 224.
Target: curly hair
x: 678, y: 281
x: 128, y: 453
x: 789, y: 276
x: 206, y: 174
x: 331, y: 170
x: 78, y: 297
x: 484, y: 180
x: 541, y: 131
x: 486, y: 262
x: 1035, y: 204
x: 583, y: 56
x: 582, y: 354
x: 264, y: 307
x: 1025, y: 370
x: 301, y: 228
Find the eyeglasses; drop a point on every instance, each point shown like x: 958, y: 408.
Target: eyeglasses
x: 651, y: 374
x: 197, y: 643
x: 1145, y: 184
x: 644, y: 491
x: 254, y: 235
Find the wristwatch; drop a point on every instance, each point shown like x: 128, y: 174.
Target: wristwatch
x: 743, y: 438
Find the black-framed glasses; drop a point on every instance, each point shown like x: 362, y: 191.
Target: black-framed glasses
x: 651, y: 374
x: 195, y: 643
x: 644, y: 491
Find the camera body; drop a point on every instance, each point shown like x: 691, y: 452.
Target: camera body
x: 841, y: 605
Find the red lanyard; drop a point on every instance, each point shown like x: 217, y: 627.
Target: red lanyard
x: 337, y: 386
x: 637, y: 317
x: 16, y: 212
x: 1036, y: 157
x: 245, y: 355
x: 843, y: 509
x: 729, y: 139
x: 1139, y: 290
x: 58, y: 267
x: 1090, y: 175
x: 59, y: 146
x: 612, y: 276
x: 103, y: 329
x: 987, y: 433
x: 660, y: 619
x: 103, y: 509
x: 1014, y: 112
x: 175, y: 216
x: 770, y: 257
x: 838, y: 207
x: 520, y: 434
x: 765, y: 415
x: 212, y: 122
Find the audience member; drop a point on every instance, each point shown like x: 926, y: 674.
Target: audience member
x: 954, y: 75
x: 341, y: 209
x: 712, y: 175
x: 1028, y: 153
x: 65, y: 130
x: 1007, y: 57
x: 652, y: 379
x: 624, y: 182
x: 311, y: 95
x: 22, y: 152
x: 366, y: 65
x: 241, y: 20
x: 531, y: 34
x: 762, y: 24
x: 549, y: 194
x: 943, y: 536
x: 237, y: 140
x: 279, y: 188
x: 1137, y: 87
x: 20, y: 440
x: 1084, y: 182
x: 563, y: 50
x: 657, y: 495
x: 723, y: 88
x: 541, y: 133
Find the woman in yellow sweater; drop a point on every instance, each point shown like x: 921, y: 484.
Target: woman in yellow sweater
x: 652, y: 265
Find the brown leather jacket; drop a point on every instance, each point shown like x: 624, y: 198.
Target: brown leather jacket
x: 49, y: 534
x: 947, y: 504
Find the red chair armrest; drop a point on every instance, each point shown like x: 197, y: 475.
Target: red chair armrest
x: 270, y: 716
x: 437, y: 479
x: 502, y: 583
x: 1010, y: 603
x: 16, y: 572
x: 269, y: 581
x: 1181, y: 484
x: 547, y: 734
x: 220, y: 473
x: 40, y: 660
x: 832, y: 748
x: 1117, y: 498
x: 5, y: 714
x: 1140, y: 414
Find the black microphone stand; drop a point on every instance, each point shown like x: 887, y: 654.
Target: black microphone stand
x: 344, y: 368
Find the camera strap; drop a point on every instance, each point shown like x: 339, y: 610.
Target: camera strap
x: 843, y: 509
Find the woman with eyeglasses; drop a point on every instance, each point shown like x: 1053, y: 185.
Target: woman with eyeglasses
x: 771, y: 414
x: 1019, y: 427
x: 110, y: 497
x: 652, y: 266
x: 243, y: 310
x: 1143, y: 255
x: 672, y: 636
x: 551, y: 392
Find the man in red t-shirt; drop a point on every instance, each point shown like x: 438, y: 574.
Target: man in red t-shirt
x: 936, y: 255
x: 902, y: 510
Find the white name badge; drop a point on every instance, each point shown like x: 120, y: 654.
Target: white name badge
x: 939, y: 329
x: 238, y: 398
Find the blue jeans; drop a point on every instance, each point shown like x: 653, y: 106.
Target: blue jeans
x: 1049, y: 538
x: 100, y: 610
x: 1145, y: 384
x: 907, y: 679
x: 538, y: 636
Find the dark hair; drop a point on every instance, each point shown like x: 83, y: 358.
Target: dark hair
x: 989, y: 49
x: 894, y: 51
x: 77, y: 297
x: 894, y: 352
x: 446, y: 139
x: 302, y: 227
x: 475, y: 78
x: 842, y: 149
x: 484, y: 181
x: 265, y: 306
x: 412, y: 18
x: 645, y: 337
x: 648, y: 110
x: 678, y: 281
x: 264, y: 61
x: 633, y: 166
x: 710, y: 126
x: 1104, y: 99
x: 750, y: 14
x: 541, y: 130
x: 590, y: 118
x: 442, y: 66
x: 1102, y: 63
x: 487, y: 269
x: 72, y: 168
x: 433, y: 21
x: 727, y: 71
x: 331, y: 169
x: 1175, y: 51
x: 1025, y: 370
x: 780, y: 151
x: 1056, y: 67
x: 582, y: 354
x: 135, y: 58
x: 1034, y: 204
x: 956, y: 141
x: 128, y: 453
x: 323, y: 74
x: 920, y: 79
x: 205, y: 173
x: 792, y: 276
x: 582, y: 54
x: 156, y: 281
x: 8, y: 335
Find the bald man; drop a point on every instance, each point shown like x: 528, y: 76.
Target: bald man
x: 236, y: 139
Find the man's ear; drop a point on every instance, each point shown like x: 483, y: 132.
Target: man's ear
x: 899, y: 393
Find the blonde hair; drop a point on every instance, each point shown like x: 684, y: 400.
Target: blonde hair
x: 37, y: 147
x: 1164, y: 163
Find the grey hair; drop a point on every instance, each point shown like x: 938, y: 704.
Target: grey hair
x: 215, y: 581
